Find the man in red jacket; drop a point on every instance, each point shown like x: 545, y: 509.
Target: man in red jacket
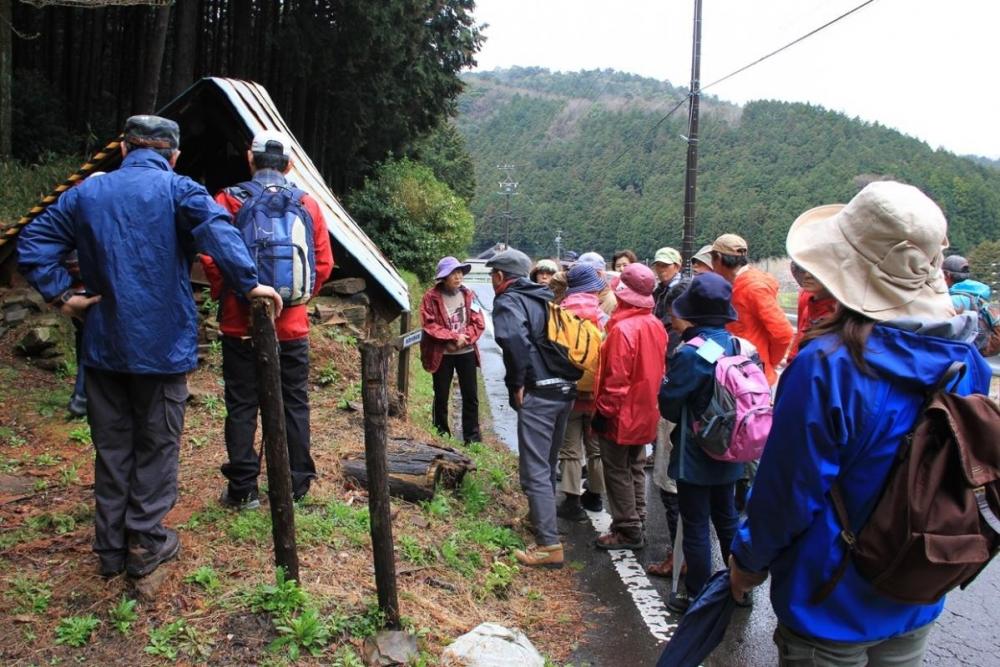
x: 755, y: 298
x: 270, y: 159
x: 632, y: 363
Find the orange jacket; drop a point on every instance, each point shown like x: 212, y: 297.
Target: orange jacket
x: 761, y: 319
x: 293, y: 323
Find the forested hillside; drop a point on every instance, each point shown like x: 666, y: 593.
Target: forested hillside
x: 592, y: 161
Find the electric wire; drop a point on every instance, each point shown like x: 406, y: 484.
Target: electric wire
x: 788, y: 45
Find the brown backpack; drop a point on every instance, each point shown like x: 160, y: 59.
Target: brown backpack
x: 936, y: 524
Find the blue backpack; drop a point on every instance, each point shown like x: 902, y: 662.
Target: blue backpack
x: 279, y: 234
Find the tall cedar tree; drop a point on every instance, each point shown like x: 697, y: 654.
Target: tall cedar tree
x: 356, y: 80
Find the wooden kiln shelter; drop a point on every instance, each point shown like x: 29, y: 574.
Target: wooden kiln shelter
x: 218, y: 118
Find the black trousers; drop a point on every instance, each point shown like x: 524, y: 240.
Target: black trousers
x: 135, y: 423
x: 465, y: 366
x: 239, y: 371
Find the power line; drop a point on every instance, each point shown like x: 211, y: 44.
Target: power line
x: 788, y: 45
x: 650, y: 131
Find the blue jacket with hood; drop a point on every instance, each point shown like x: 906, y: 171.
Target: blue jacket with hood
x: 967, y: 294
x: 135, y: 230
x: 831, y: 421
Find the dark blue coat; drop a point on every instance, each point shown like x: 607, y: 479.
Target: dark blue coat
x: 135, y: 230
x: 688, y: 388
x: 831, y: 421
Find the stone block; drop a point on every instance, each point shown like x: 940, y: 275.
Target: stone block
x: 348, y: 286
x: 492, y: 645
x: 355, y: 315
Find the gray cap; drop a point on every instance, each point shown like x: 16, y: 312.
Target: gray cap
x: 152, y: 132
x: 956, y: 265
x: 512, y: 262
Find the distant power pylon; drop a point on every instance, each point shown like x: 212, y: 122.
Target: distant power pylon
x: 508, y: 188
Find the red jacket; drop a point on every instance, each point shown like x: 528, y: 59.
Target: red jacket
x: 293, y: 322
x: 761, y: 319
x: 812, y: 311
x: 631, y: 373
x: 437, y: 332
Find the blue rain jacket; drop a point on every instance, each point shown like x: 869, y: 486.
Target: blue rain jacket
x: 135, y: 230
x: 688, y: 387
x: 831, y: 420
x: 963, y: 294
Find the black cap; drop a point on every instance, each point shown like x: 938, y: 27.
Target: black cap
x: 152, y: 132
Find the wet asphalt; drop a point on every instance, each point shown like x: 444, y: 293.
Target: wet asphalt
x: 967, y: 632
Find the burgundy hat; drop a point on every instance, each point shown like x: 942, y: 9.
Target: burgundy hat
x: 636, y: 285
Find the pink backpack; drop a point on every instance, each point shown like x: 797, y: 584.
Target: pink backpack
x: 736, y: 423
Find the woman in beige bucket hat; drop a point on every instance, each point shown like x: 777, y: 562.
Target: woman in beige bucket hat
x: 842, y: 409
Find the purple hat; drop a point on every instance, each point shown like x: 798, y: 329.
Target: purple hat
x: 636, y: 285
x: 583, y: 278
x: 449, y: 265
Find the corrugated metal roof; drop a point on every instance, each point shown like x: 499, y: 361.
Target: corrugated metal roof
x: 256, y: 111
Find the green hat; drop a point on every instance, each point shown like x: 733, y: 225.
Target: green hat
x: 667, y: 256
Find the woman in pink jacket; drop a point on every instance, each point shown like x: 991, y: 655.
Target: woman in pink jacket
x: 452, y: 324
x: 632, y: 363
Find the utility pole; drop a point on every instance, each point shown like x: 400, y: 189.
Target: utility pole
x: 691, y: 174
x: 508, y: 188
x: 559, y: 245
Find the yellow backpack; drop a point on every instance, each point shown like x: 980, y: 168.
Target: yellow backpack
x: 572, y: 347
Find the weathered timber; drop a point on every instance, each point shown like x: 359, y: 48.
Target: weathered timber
x: 272, y: 414
x: 415, y: 469
x: 375, y: 396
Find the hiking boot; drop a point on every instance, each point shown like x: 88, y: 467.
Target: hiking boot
x: 250, y: 501
x: 571, y: 510
x: 550, y: 557
x: 678, y: 602
x: 665, y: 568
x: 77, y: 406
x: 111, y: 567
x: 591, y: 501
x: 142, y: 561
x: 616, y: 540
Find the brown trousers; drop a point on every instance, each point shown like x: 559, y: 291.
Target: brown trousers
x: 625, y: 483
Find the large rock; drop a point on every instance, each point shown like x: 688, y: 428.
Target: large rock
x: 492, y: 645
x: 391, y: 647
x: 36, y: 341
x: 24, y: 297
x: 15, y: 314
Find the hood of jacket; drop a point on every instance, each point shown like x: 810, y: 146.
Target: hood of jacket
x: 973, y: 288
x: 918, y: 352
x: 587, y: 306
x: 531, y: 290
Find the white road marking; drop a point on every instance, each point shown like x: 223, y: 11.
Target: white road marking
x: 648, y: 601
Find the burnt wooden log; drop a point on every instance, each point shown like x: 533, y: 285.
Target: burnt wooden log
x: 415, y: 469
x: 375, y: 396
x: 272, y: 417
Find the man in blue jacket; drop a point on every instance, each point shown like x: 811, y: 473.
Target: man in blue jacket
x: 134, y: 230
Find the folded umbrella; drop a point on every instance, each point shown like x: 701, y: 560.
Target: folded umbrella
x: 703, y: 626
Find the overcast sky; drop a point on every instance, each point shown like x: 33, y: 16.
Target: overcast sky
x: 924, y: 67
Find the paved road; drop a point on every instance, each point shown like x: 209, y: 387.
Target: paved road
x: 630, y: 621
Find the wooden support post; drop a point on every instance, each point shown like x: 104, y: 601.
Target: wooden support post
x: 375, y: 396
x: 403, y: 373
x: 272, y: 415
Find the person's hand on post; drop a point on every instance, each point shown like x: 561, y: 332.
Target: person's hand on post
x: 77, y: 305
x: 267, y: 292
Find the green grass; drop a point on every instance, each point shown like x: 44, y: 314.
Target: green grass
x: 412, y: 551
x: 123, y: 615
x: 206, y: 577
x: 23, y: 185
x: 29, y: 595
x: 76, y: 630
